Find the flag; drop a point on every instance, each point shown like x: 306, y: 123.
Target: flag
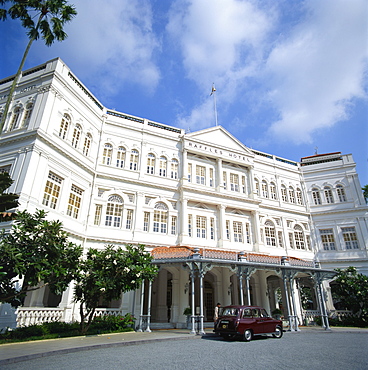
x: 213, y: 89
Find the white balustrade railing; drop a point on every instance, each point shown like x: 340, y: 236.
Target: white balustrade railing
x: 27, y: 316
x: 108, y: 312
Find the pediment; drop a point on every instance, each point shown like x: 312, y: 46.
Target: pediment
x: 218, y: 137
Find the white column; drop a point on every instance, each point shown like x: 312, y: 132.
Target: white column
x: 218, y: 177
x: 221, y: 224
x: 183, y: 221
x: 256, y: 228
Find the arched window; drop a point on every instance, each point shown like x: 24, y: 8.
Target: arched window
x: 341, y: 193
x: 134, y: 157
x: 160, y: 218
x: 284, y: 193
x: 15, y: 118
x: 107, y: 154
x: 27, y: 114
x: 299, y: 197
x: 291, y: 195
x: 174, y: 168
x: 328, y: 194
x: 273, y: 190
x: 316, y: 197
x: 299, y: 237
x: 270, y: 233
x: 120, y: 157
x: 65, y: 122
x: 114, y: 211
x: 87, y: 144
x: 264, y: 189
x: 76, y: 135
x: 151, y: 163
x: 163, y: 166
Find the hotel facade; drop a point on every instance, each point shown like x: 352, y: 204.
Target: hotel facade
x: 225, y: 223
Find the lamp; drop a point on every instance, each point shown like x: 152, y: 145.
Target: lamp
x: 186, y: 288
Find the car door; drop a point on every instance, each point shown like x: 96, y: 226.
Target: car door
x: 267, y: 322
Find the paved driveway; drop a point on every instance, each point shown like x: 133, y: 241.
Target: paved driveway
x: 304, y: 350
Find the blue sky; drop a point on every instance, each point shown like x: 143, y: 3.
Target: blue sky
x: 290, y: 75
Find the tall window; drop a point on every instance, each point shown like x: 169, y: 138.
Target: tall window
x: 189, y: 172
x: 316, y: 197
x: 120, y: 157
x: 64, y: 125
x: 291, y: 240
x: 98, y: 213
x: 190, y: 225
x: 201, y: 175
x: 328, y: 194
x: 146, y: 219
x: 160, y: 218
x: 27, y: 115
x: 350, y: 237
x: 238, y: 231
x: 284, y: 196
x: 76, y: 135
x: 328, y: 240
x: 14, y: 122
x: 52, y: 190
x: 201, y: 226
x: 244, y: 186
x: 247, y: 232
x: 341, y: 193
x: 270, y: 233
x: 299, y: 237
x: 129, y: 219
x: 87, y: 144
x: 224, y: 179
x: 257, y: 186
x: 173, y: 225
x: 227, y: 225
x: 163, y: 166
x: 264, y: 189
x: 212, y: 180
x: 107, y: 154
x: 291, y: 195
x: 151, y: 163
x: 134, y: 156
x: 174, y: 168
x: 234, y: 182
x: 114, y: 211
x: 212, y: 221
x: 299, y: 197
x: 74, y: 203
x: 280, y: 239
x: 273, y: 190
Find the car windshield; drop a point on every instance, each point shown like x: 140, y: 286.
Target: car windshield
x: 228, y: 311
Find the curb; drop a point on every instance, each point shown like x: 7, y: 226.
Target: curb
x: 88, y: 348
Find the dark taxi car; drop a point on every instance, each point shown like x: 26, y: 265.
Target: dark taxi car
x: 246, y: 322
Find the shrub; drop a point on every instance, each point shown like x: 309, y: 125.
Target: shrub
x: 112, y: 323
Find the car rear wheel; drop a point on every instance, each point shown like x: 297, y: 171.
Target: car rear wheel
x: 278, y: 332
x: 248, y: 335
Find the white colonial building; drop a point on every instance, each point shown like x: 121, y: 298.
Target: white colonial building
x: 225, y: 223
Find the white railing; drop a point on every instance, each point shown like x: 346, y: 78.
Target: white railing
x: 311, y: 314
x: 27, y: 316
x: 108, y: 312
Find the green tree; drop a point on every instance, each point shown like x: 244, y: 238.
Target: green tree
x: 365, y: 193
x: 7, y: 200
x: 105, y: 274
x: 350, y: 290
x: 51, y: 16
x: 35, y: 252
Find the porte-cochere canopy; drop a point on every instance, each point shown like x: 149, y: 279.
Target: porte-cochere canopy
x: 199, y: 261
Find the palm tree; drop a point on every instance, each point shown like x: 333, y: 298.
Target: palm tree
x: 51, y: 16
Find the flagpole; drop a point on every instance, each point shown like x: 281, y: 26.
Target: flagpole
x: 213, y: 92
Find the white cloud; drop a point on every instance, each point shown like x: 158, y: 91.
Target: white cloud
x: 112, y: 43
x: 315, y: 73
x: 221, y: 41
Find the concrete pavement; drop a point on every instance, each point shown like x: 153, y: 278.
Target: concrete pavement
x: 16, y: 352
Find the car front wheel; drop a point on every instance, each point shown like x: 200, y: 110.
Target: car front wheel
x: 278, y: 332
x: 248, y: 335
